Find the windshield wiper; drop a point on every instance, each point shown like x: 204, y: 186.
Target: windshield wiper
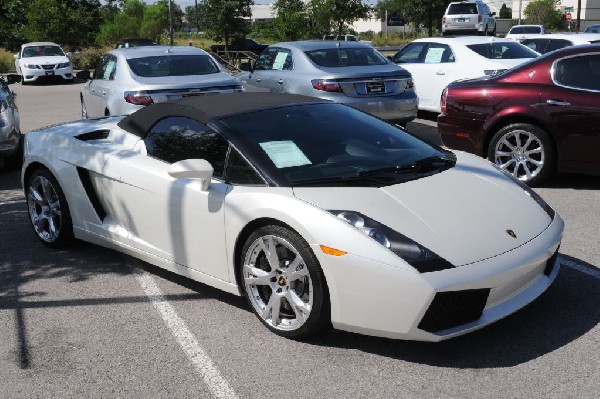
x: 428, y: 163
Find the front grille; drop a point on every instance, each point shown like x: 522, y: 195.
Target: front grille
x: 454, y: 308
x: 550, y: 264
x: 48, y: 66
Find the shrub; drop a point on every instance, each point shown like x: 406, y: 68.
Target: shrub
x: 87, y: 58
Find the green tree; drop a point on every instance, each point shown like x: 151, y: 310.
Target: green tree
x: 427, y: 13
x: 12, y: 23
x: 225, y: 18
x: 544, y: 12
x: 505, y: 12
x: 290, y: 22
x: 73, y: 23
x: 329, y: 16
x: 136, y: 19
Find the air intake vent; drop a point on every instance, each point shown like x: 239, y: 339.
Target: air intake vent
x: 95, y: 135
x: 454, y: 308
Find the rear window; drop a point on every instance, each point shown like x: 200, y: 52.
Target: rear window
x: 503, y: 51
x: 172, y: 65
x: 464, y: 8
x: 345, y: 57
x: 526, y: 29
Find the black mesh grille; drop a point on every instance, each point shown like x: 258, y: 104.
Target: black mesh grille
x: 454, y: 308
x: 48, y: 66
x: 550, y: 264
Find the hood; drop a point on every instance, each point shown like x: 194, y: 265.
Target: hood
x: 50, y: 60
x: 462, y: 214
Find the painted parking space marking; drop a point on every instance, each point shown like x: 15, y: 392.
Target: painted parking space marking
x: 215, y: 382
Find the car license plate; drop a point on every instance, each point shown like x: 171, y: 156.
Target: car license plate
x: 460, y: 20
x: 375, y: 87
x: 49, y: 73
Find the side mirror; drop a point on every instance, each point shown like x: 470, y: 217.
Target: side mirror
x: 13, y: 78
x: 246, y: 66
x: 193, y: 169
x: 17, y: 56
x: 69, y: 54
x: 83, y: 75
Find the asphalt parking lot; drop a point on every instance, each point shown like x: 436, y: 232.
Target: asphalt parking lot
x: 89, y: 322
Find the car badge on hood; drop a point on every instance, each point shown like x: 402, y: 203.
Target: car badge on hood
x: 511, y: 233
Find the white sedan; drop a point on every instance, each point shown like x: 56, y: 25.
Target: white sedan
x: 319, y: 214
x: 437, y: 61
x: 43, y: 60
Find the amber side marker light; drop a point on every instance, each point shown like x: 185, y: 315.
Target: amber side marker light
x: 332, y: 251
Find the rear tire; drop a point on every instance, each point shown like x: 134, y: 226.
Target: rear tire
x: 525, y: 151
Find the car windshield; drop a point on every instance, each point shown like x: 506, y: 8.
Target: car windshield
x: 172, y: 65
x: 345, y: 57
x: 462, y: 8
x: 502, y: 50
x: 333, y: 144
x: 42, y: 51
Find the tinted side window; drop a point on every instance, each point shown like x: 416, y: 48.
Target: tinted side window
x: 274, y: 59
x: 410, y: 54
x: 175, y: 139
x: 107, y: 68
x: 557, y: 44
x: 579, y: 72
x: 438, y: 53
x: 239, y: 171
x: 538, y: 45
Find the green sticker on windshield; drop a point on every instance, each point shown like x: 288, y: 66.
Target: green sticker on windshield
x: 285, y: 154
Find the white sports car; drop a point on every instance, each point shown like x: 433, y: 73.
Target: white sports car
x: 318, y: 213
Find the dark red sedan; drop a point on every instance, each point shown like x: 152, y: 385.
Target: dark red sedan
x: 538, y: 118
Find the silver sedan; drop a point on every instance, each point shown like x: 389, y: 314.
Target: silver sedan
x: 352, y: 73
x: 11, y: 153
x: 128, y: 79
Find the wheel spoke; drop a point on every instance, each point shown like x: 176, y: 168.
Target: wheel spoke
x: 52, y: 228
x: 270, y: 249
x: 293, y: 275
x: 507, y: 164
x: 256, y: 276
x: 35, y: 195
x: 38, y: 222
x: 273, y: 308
x: 47, y: 190
x: 508, y: 144
x: 300, y: 308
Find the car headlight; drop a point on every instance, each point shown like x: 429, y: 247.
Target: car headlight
x: 32, y: 66
x: 415, y: 254
x: 63, y: 65
x: 535, y: 196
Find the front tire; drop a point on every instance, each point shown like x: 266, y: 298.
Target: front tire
x: 48, y: 210
x: 284, y: 283
x: 525, y: 151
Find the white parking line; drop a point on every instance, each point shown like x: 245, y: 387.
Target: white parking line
x: 216, y: 383
x: 590, y: 271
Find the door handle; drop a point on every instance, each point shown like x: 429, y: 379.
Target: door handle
x: 258, y: 80
x: 558, y: 103
x: 93, y: 90
x: 440, y: 73
x: 280, y: 81
x: 103, y: 92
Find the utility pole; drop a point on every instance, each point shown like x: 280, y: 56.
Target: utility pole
x: 578, y: 16
x: 170, y: 23
x: 196, y: 8
x: 520, y: 6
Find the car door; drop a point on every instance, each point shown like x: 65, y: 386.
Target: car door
x: 573, y: 106
x: 430, y: 65
x: 172, y: 219
x: 97, y: 91
x: 270, y: 72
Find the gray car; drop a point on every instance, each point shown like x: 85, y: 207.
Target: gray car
x: 10, y: 133
x: 128, y: 79
x: 352, y: 73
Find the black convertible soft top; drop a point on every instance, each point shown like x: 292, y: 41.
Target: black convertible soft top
x: 207, y: 107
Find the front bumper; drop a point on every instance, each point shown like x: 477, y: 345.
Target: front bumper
x: 371, y: 298
x: 33, y: 74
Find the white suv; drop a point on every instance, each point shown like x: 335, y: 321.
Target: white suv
x: 470, y: 17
